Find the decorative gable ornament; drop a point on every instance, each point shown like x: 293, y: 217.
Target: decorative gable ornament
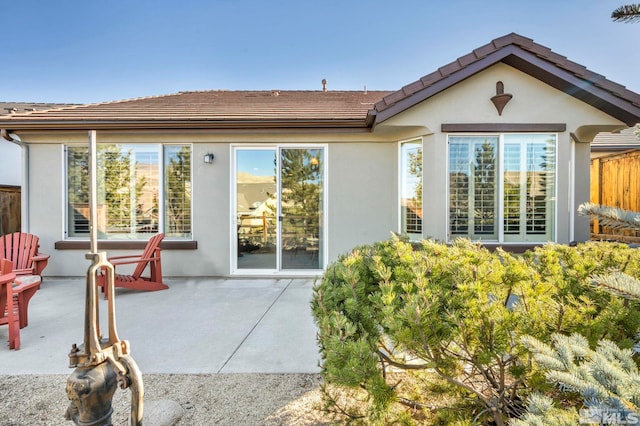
x: 501, y: 99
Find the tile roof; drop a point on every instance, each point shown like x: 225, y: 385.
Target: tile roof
x: 620, y: 141
x: 534, y: 59
x: 20, y: 107
x: 227, y: 108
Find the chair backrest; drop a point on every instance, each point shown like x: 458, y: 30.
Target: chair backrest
x: 19, y: 248
x: 149, y: 252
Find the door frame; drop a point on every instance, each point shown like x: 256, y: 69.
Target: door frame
x: 233, y: 217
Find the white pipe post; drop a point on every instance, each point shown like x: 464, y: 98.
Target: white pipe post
x: 93, y: 192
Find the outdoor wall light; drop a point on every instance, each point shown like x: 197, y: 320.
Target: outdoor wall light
x: 208, y: 158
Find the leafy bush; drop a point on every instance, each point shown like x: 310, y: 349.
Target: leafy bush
x: 455, y: 314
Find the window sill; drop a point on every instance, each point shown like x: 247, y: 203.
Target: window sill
x: 125, y: 245
x: 512, y: 247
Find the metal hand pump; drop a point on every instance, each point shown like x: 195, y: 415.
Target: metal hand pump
x: 100, y: 363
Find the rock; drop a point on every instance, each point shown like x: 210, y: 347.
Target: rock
x: 163, y: 412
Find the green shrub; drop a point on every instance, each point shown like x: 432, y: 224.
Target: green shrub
x: 456, y: 313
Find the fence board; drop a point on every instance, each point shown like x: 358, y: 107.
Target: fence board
x: 615, y: 182
x: 10, y: 209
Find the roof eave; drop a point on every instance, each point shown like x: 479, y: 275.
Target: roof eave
x: 26, y: 125
x: 584, y: 90
x: 442, y: 84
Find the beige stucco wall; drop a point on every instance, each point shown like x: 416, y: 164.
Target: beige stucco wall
x: 362, y: 181
x: 363, y: 194
x: 532, y: 102
x: 10, y: 163
x: 361, y: 190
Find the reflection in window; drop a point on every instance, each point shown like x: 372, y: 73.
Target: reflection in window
x: 302, y: 202
x: 256, y: 207
x: 411, y: 189
x: 129, y: 195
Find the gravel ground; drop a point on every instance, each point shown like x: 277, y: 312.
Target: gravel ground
x: 218, y: 399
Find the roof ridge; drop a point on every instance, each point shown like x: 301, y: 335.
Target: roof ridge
x: 282, y: 90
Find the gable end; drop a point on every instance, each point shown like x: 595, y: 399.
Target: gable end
x: 533, y: 59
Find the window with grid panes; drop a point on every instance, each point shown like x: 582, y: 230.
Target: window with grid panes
x: 411, y: 189
x: 142, y: 189
x: 502, y: 187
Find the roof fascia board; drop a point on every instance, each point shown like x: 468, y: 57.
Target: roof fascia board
x: 584, y: 90
x: 444, y: 83
x: 17, y: 125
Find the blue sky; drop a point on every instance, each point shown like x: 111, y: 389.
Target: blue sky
x: 95, y: 51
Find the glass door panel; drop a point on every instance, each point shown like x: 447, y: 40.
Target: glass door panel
x: 256, y: 203
x: 302, y: 206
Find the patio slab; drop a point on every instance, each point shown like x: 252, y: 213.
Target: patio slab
x: 199, y: 325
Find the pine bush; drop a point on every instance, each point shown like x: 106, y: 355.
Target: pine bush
x: 396, y: 317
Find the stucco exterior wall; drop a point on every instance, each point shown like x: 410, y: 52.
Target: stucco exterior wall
x: 361, y: 196
x: 10, y: 164
x: 533, y: 102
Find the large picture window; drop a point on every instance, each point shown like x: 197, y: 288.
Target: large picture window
x: 142, y: 189
x: 411, y: 189
x: 502, y: 187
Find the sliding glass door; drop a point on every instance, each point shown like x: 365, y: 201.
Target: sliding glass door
x: 279, y: 209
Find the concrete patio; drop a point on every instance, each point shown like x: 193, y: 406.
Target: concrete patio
x: 199, y: 325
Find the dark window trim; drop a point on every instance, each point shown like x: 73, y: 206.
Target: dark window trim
x: 504, y: 127
x: 125, y: 245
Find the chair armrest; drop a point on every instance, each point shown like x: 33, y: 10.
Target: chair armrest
x: 26, y: 282
x: 7, y: 278
x: 130, y: 262
x: 39, y: 263
x: 132, y: 256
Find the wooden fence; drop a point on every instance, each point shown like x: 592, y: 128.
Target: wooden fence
x: 10, y: 211
x: 615, y: 182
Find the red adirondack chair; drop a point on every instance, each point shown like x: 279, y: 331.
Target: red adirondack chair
x: 9, y: 312
x: 23, y: 290
x: 24, y: 287
x: 149, y: 257
x: 22, y: 250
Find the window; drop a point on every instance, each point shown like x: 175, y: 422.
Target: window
x: 411, y: 189
x: 502, y: 187
x: 142, y: 189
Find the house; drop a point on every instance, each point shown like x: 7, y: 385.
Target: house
x: 607, y: 143
x: 10, y: 155
x: 615, y: 178
x: 11, y: 170
x: 494, y: 146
